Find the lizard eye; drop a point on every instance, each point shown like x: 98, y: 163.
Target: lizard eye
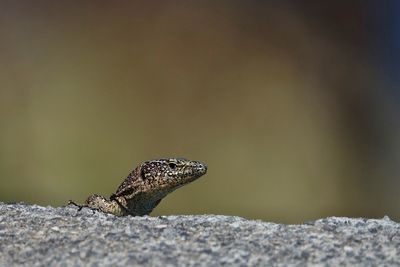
x: 172, y: 166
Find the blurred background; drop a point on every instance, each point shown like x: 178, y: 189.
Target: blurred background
x: 294, y: 106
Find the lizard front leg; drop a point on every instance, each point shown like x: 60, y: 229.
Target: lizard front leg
x: 100, y: 203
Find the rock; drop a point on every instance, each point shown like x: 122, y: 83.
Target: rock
x: 45, y: 236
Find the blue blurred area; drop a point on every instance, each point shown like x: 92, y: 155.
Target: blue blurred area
x: 384, y: 26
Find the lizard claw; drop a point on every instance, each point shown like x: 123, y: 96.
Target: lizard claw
x: 70, y: 202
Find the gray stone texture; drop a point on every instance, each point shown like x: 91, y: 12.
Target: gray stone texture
x: 32, y: 235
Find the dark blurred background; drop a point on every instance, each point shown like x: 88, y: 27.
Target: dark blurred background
x: 293, y: 106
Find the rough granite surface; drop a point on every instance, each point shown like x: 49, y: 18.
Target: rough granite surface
x: 32, y: 235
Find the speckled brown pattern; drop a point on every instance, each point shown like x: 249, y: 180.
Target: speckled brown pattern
x: 146, y: 185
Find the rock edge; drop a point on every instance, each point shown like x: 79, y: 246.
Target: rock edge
x: 46, y: 236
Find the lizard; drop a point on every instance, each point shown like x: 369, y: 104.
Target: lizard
x: 145, y: 187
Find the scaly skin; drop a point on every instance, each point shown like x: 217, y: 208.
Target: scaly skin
x: 146, y: 185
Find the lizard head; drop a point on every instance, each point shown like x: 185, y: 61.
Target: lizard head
x: 152, y: 180
x: 169, y: 174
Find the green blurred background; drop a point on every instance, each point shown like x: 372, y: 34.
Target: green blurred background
x: 292, y: 105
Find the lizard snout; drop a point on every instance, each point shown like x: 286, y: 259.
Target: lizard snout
x: 200, y: 168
